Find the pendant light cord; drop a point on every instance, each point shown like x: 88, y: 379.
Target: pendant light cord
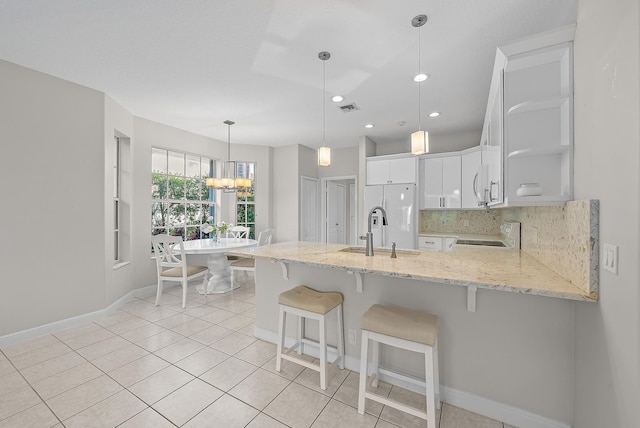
x: 324, y: 103
x: 228, y: 123
x: 419, y: 87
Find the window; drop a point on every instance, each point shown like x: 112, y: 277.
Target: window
x: 116, y: 201
x: 245, y: 200
x: 181, y: 200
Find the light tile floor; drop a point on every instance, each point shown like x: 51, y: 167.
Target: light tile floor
x: 162, y: 366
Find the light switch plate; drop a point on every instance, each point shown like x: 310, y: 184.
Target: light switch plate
x: 610, y: 258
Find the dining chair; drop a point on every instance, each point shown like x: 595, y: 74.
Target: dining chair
x: 248, y: 264
x: 237, y: 232
x: 171, y: 263
x: 264, y: 237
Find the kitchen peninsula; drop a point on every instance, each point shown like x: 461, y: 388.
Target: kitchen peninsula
x: 491, y: 268
x: 520, y: 335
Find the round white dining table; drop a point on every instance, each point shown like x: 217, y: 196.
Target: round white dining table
x: 219, y: 272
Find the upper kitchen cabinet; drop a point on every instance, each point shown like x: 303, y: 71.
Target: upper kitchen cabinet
x: 533, y: 81
x: 471, y: 168
x: 492, y: 145
x: 440, y: 181
x: 391, y: 169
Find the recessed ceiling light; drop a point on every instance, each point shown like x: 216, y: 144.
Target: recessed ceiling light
x: 420, y: 77
x: 337, y: 98
x: 434, y: 114
x: 369, y: 125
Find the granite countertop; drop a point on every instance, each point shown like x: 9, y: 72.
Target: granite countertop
x: 489, y: 268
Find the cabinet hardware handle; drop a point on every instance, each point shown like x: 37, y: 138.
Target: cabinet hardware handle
x: 475, y: 187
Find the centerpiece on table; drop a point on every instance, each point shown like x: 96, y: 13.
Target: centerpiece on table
x: 223, y: 229
x: 215, y: 231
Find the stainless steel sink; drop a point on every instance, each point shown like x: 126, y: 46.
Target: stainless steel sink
x: 382, y: 252
x: 485, y: 243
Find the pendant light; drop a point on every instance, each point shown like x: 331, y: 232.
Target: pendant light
x: 229, y: 182
x: 420, y: 138
x: 324, y: 152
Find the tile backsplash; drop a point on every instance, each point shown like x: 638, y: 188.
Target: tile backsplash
x: 482, y: 222
x: 564, y: 238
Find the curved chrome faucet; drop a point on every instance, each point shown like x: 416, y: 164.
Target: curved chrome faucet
x: 369, y: 235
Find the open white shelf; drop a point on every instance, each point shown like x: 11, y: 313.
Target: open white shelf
x: 538, y: 200
x: 542, y: 104
x: 539, y: 151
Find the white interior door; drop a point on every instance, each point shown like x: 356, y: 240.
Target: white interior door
x: 309, y: 209
x: 336, y: 213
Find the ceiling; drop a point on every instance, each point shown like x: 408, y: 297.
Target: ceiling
x: 194, y: 64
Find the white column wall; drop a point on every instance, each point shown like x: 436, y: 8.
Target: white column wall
x: 286, y: 197
x: 607, y: 167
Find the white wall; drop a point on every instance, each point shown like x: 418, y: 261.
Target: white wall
x: 286, y: 185
x: 366, y: 148
x: 344, y: 162
x: 438, y: 143
x: 52, y: 167
x: 607, y: 158
x: 308, y: 162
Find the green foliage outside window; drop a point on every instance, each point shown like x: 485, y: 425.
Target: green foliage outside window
x: 181, y: 200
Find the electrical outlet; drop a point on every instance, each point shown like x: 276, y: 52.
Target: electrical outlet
x: 352, y: 337
x: 610, y: 258
x: 533, y: 234
x: 465, y: 223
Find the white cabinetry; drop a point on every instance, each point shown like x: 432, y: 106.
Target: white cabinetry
x: 435, y: 243
x: 440, y: 181
x: 527, y: 137
x: 471, y: 165
x: 391, y: 170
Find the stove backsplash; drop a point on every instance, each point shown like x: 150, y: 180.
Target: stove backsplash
x: 564, y: 238
x: 483, y: 222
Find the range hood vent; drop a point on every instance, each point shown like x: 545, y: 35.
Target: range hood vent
x: 349, y: 108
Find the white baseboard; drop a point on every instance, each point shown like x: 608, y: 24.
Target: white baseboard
x: 499, y: 411
x: 492, y: 409
x: 21, y: 336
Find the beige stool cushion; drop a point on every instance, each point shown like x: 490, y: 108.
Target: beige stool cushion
x: 245, y: 262
x: 308, y: 299
x: 177, y: 271
x: 408, y: 324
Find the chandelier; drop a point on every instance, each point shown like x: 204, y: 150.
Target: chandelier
x: 230, y: 182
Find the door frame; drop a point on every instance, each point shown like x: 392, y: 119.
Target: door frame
x: 323, y: 203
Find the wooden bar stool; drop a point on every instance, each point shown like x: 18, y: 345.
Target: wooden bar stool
x: 407, y: 329
x: 306, y: 303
